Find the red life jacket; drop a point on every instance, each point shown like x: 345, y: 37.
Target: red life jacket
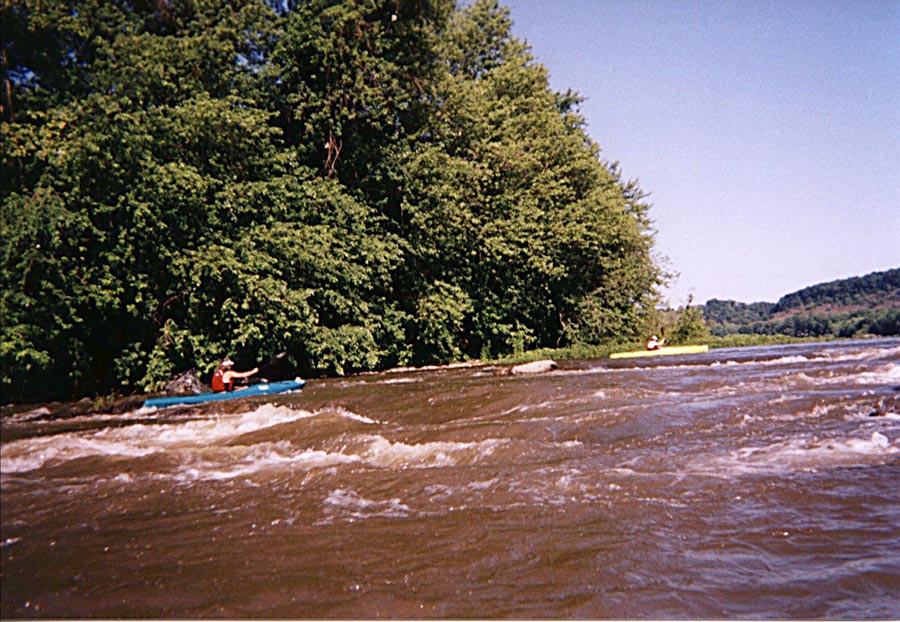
x: 218, y: 384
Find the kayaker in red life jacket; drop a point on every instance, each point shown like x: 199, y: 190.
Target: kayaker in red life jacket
x: 223, y: 378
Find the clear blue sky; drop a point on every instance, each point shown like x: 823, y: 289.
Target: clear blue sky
x: 766, y: 131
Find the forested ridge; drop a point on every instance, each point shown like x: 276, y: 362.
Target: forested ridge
x: 362, y: 184
x: 851, y: 307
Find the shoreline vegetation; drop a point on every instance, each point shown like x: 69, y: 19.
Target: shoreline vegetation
x: 362, y: 185
x: 120, y: 404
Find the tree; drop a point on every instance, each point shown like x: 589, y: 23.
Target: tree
x: 353, y: 79
x: 689, y: 325
x: 508, y: 199
x: 363, y: 184
x: 126, y: 143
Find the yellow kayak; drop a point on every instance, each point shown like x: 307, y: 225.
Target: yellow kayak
x: 660, y: 352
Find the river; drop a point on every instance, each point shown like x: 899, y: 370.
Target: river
x: 757, y: 482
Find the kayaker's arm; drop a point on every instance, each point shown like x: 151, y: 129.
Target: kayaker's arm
x: 240, y: 374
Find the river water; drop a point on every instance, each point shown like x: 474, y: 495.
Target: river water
x: 749, y: 482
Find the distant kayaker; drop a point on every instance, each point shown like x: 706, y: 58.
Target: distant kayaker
x: 655, y: 343
x: 224, y: 377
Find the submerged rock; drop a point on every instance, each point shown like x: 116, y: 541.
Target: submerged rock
x: 535, y: 367
x: 886, y: 407
x: 185, y: 382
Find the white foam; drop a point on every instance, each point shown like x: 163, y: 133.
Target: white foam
x: 482, y: 485
x: 350, y: 505
x: 43, y: 417
x: 865, y: 355
x: 347, y: 414
x: 29, y: 415
x: 885, y: 374
x: 200, y: 450
x: 800, y: 454
x: 400, y: 380
x: 379, y: 451
x: 888, y: 374
x: 782, y: 360
x: 868, y: 354
x: 241, y: 462
x: 526, y: 407
x: 139, y: 440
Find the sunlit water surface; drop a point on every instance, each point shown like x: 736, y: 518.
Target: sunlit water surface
x: 738, y: 483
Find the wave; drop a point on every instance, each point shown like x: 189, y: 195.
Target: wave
x: 379, y: 451
x: 349, y: 414
x: 28, y: 415
x: 801, y: 454
x: 140, y: 440
x: 401, y: 381
x: 349, y: 505
x: 868, y: 354
x: 872, y: 353
x: 244, y: 461
x: 224, y: 447
x: 368, y: 450
x: 886, y: 374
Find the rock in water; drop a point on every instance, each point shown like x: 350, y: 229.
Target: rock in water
x: 185, y: 382
x: 887, y: 406
x: 535, y: 367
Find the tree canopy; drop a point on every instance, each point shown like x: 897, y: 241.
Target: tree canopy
x: 362, y: 184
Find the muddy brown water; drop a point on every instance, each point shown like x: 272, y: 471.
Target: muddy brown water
x: 758, y: 482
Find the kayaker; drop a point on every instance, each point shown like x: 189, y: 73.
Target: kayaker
x: 655, y: 343
x: 224, y: 377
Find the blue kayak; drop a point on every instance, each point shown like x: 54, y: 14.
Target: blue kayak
x: 264, y: 388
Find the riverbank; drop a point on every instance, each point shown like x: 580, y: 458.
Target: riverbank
x: 585, y: 351
x: 117, y: 404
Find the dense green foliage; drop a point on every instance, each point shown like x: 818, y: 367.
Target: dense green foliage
x: 878, y: 322
x: 362, y: 183
x: 732, y: 312
x: 866, y: 305
x: 877, y: 289
x: 683, y: 326
x: 689, y: 326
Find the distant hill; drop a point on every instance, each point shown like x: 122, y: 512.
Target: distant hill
x: 851, y: 307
